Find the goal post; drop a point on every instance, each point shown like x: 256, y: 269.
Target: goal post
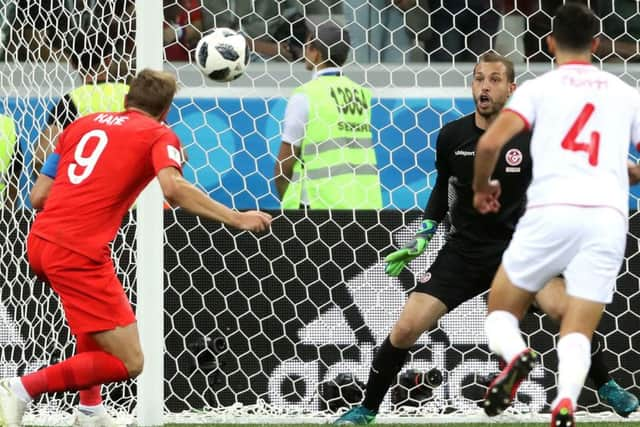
x: 150, y: 239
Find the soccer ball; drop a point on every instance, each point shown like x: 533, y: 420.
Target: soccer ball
x: 222, y: 55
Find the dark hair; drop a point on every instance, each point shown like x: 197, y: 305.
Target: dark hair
x: 332, y: 41
x: 574, y: 27
x: 495, y: 57
x: 88, y: 51
x: 152, y: 91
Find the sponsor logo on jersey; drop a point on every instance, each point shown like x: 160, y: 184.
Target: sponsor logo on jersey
x: 465, y: 153
x: 513, y: 157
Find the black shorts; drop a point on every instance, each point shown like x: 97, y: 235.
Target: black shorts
x: 456, y: 277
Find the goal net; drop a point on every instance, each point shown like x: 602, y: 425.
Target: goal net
x: 282, y: 327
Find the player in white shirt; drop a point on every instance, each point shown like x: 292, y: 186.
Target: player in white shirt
x: 583, y: 120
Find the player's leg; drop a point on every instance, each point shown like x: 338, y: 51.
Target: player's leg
x: 537, y: 252
x: 553, y: 300
x: 506, y: 305
x: 574, y: 351
x: 452, y: 279
x: 93, y: 300
x: 76, y: 373
x: 123, y: 343
x: 419, y: 314
x: 590, y: 281
x: 91, y: 398
x: 120, y: 358
x: 90, y: 412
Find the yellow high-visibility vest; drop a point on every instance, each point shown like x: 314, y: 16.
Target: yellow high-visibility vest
x: 338, y: 167
x: 8, y: 140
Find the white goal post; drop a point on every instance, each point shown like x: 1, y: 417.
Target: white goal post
x: 238, y: 328
x: 150, y: 240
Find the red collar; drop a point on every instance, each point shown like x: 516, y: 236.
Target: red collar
x: 576, y: 63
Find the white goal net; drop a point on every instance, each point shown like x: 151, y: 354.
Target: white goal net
x: 282, y: 327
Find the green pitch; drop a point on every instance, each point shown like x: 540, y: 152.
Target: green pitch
x: 579, y: 424
x: 601, y: 424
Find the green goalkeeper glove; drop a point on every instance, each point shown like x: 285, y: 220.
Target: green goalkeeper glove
x: 398, y: 260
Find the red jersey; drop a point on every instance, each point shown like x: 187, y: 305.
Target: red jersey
x: 106, y: 160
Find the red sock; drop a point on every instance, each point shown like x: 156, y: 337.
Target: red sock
x: 91, y: 396
x: 76, y: 373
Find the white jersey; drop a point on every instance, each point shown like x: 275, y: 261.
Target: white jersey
x: 583, y: 120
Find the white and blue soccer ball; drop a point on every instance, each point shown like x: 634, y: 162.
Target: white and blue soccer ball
x: 222, y: 55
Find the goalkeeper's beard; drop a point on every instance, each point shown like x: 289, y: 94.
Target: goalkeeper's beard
x: 491, y: 112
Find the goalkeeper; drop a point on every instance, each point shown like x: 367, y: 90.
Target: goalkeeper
x: 466, y: 264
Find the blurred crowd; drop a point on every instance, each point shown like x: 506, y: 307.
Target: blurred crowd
x: 395, y: 31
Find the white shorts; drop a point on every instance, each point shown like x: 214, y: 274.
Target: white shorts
x: 586, y: 245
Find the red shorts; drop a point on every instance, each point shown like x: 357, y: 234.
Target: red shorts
x: 91, y: 294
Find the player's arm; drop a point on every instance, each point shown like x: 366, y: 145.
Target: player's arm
x: 40, y: 191
x: 288, y: 155
x: 507, y: 125
x: 180, y: 193
x: 634, y: 173
x: 436, y: 209
x: 62, y: 115
x: 46, y: 144
x: 13, y: 178
x: 42, y: 187
x: 438, y: 203
x: 296, y: 117
x: 633, y: 169
x: 44, y: 182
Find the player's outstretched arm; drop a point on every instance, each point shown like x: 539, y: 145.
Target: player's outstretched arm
x: 179, y: 192
x: 398, y: 260
x: 40, y: 191
x: 287, y: 158
x: 434, y: 212
x: 45, y: 146
x: 507, y: 125
x: 634, y: 173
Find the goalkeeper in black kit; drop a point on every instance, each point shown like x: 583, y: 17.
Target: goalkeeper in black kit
x: 466, y: 264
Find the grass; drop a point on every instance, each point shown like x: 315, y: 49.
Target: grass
x: 579, y: 424
x: 426, y: 424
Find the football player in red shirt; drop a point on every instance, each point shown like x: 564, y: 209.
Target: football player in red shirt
x: 100, y: 165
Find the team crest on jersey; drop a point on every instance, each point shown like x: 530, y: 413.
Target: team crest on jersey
x: 425, y: 277
x: 513, y: 158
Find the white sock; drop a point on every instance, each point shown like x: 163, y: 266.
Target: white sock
x: 574, y: 360
x: 503, y: 331
x: 91, y: 409
x: 18, y: 389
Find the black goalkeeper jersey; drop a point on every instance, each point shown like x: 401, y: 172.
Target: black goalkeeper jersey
x: 453, y: 193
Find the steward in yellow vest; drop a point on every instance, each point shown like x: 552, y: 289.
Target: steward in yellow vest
x: 327, y: 159
x: 98, y: 93
x: 8, y: 141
